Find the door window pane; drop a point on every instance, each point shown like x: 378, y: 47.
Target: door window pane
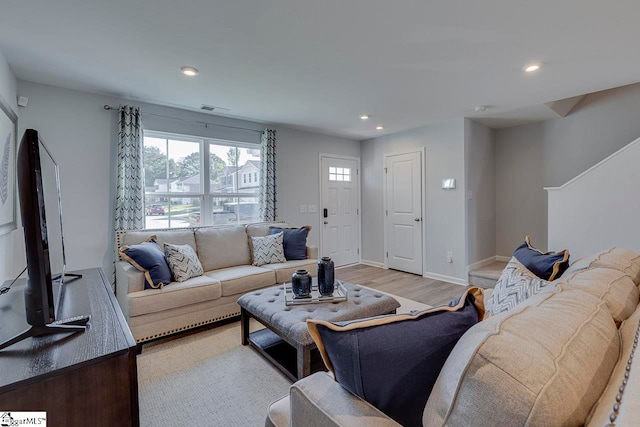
x: 339, y: 174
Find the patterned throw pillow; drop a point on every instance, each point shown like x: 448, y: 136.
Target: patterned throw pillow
x: 516, y: 284
x: 545, y: 265
x: 148, y: 258
x: 393, y: 361
x: 183, y: 261
x: 268, y: 249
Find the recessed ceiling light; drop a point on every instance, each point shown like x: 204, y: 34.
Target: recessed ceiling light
x: 531, y: 68
x: 480, y: 108
x: 364, y: 117
x: 379, y: 127
x: 189, y: 71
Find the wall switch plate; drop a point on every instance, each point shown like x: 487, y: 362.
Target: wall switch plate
x: 312, y: 209
x: 303, y: 208
x: 469, y: 195
x: 449, y: 257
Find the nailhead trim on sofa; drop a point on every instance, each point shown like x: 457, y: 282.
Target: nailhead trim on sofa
x: 616, y: 406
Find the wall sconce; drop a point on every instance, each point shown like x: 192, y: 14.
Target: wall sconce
x: 449, y: 184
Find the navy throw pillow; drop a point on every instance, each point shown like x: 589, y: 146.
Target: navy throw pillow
x: 393, y: 361
x: 548, y: 266
x: 294, y: 242
x: 149, y: 258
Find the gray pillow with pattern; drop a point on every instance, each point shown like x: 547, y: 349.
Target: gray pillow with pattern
x: 183, y: 261
x: 516, y: 284
x: 268, y: 249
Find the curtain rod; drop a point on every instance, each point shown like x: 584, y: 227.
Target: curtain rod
x: 206, y: 124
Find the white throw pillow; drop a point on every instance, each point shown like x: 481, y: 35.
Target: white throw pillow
x: 268, y: 249
x: 183, y: 261
x: 516, y: 284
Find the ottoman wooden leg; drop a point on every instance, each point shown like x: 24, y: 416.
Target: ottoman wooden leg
x: 304, y: 361
x: 244, y: 325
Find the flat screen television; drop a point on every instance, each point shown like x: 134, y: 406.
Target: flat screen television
x: 39, y: 192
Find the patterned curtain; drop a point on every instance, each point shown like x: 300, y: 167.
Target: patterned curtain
x: 268, y: 176
x: 130, y: 185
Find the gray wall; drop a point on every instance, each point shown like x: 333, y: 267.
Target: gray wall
x: 480, y: 178
x: 444, y: 219
x: 81, y: 135
x: 521, y: 202
x: 550, y: 153
x: 298, y: 169
x: 12, y: 259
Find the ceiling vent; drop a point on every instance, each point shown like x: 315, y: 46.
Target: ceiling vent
x: 206, y: 107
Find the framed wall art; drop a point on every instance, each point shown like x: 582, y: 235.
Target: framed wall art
x: 8, y: 146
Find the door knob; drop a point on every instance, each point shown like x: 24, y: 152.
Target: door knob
x: 417, y: 219
x: 326, y: 222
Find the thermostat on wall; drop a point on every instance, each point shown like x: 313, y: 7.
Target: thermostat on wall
x: 449, y: 184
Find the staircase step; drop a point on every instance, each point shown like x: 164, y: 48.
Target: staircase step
x: 487, y: 276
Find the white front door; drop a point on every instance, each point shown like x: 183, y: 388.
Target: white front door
x: 403, y: 211
x: 339, y: 211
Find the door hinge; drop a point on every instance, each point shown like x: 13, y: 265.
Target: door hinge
x: 358, y: 251
x: 357, y: 171
x: 386, y: 212
x: 387, y: 254
x: 385, y: 170
x: 357, y: 211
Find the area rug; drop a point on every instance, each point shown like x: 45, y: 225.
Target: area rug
x: 209, y: 379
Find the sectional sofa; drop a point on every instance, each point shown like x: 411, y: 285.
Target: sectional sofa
x: 562, y: 357
x: 225, y: 255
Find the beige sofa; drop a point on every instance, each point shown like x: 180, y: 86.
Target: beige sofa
x: 562, y: 357
x: 226, y: 259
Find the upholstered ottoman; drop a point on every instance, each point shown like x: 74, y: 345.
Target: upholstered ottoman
x: 289, y: 323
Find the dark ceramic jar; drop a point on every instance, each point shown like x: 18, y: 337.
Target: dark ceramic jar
x: 326, y: 276
x: 301, y: 284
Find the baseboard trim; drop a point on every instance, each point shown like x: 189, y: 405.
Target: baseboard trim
x: 481, y: 264
x: 444, y: 278
x: 372, y: 263
x: 503, y: 258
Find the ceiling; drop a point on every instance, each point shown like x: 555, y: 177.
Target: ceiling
x: 319, y: 65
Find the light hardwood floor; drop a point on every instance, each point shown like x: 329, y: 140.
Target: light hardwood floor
x: 412, y: 286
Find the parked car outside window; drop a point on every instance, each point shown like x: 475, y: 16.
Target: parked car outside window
x: 155, y: 210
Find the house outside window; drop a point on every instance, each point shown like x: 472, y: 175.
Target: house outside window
x: 191, y: 181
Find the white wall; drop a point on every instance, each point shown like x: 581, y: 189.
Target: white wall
x: 444, y: 218
x: 597, y: 210
x: 480, y: 178
x: 12, y: 258
x: 81, y: 135
x: 550, y: 153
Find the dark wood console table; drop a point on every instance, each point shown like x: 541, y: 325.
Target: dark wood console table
x: 80, y: 379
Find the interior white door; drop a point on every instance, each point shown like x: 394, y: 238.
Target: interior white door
x: 404, y: 211
x: 339, y: 213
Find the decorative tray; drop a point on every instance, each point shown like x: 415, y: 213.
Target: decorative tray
x: 339, y: 294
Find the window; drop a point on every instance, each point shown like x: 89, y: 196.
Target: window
x: 339, y: 174
x: 192, y: 181
x: 249, y: 178
x: 255, y: 177
x: 244, y: 178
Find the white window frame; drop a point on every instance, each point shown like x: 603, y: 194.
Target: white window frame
x: 206, y: 196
